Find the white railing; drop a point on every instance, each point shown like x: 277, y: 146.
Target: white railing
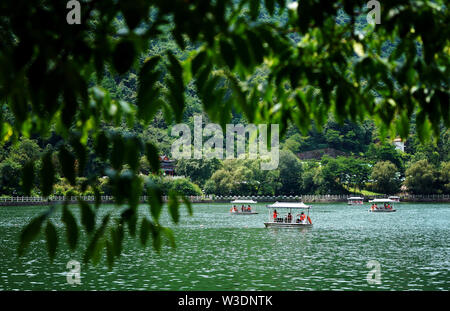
x: 305, y: 198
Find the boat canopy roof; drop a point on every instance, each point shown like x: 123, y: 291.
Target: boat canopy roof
x: 394, y: 197
x: 244, y: 201
x: 382, y: 201
x: 294, y: 205
x: 355, y: 198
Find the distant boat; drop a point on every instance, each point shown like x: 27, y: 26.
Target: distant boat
x: 277, y: 220
x: 382, y: 206
x: 244, y: 209
x: 355, y: 200
x: 394, y: 198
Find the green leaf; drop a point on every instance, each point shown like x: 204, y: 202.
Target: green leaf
x: 152, y: 154
x: 242, y: 50
x: 117, y: 239
x: 176, y: 87
x: 71, y: 227
x: 109, y: 254
x: 118, y: 152
x: 134, y: 11
x: 170, y: 236
x: 188, y: 205
x: 133, y: 151
x: 67, y: 160
x: 156, y: 235
x: 27, y: 177
x: 30, y: 233
x: 173, y: 206
x: 95, y: 246
x: 148, y: 90
x: 270, y: 6
x: 198, y: 61
x: 123, y: 56
x: 155, y: 200
x: 87, y: 216
x: 98, y: 196
x: 47, y: 174
x: 52, y: 239
x: 130, y: 217
x: 254, y: 8
x: 227, y: 52
x: 102, y: 145
x: 145, y: 231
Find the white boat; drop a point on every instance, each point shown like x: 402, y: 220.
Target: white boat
x: 395, y: 198
x: 289, y: 220
x: 244, y: 209
x: 382, y: 206
x: 355, y: 200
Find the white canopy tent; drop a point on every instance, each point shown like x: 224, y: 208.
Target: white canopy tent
x: 243, y: 202
x: 291, y: 205
x: 382, y: 201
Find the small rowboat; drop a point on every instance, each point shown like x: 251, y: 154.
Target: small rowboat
x: 355, y: 200
x: 245, y: 208
x: 382, y: 206
x: 288, y: 221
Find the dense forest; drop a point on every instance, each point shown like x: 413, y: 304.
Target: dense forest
x: 367, y: 163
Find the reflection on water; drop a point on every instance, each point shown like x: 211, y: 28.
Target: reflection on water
x: 219, y: 251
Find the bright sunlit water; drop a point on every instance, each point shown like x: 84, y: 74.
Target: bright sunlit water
x: 219, y: 251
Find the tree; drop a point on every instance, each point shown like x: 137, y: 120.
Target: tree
x: 445, y: 177
x: 199, y: 171
x: 50, y: 75
x: 386, y: 152
x: 420, y: 177
x: 185, y: 187
x: 332, y: 176
x: 290, y: 173
x: 385, y: 176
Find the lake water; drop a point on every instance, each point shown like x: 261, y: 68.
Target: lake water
x: 219, y: 251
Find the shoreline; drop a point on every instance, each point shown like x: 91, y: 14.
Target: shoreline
x: 32, y: 201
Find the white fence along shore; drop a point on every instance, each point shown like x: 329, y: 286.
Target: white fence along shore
x: 37, y: 200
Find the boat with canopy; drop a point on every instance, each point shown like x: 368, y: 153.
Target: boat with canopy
x: 395, y: 198
x: 382, y: 206
x: 355, y: 200
x: 242, y: 207
x: 288, y: 220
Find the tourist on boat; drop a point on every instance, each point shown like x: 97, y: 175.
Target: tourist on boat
x: 242, y: 208
x: 275, y: 215
x: 302, y: 217
x: 249, y: 209
x: 289, y: 217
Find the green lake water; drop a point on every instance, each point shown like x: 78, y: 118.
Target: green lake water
x: 219, y: 251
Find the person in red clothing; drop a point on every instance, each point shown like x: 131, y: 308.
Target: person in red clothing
x: 275, y: 215
x: 302, y: 217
